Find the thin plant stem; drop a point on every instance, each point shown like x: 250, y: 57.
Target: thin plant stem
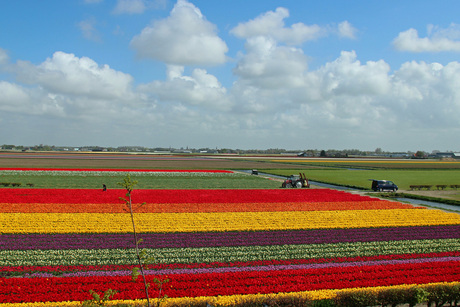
x: 137, y: 248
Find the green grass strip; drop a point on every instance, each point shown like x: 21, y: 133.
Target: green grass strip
x: 360, y: 177
x: 152, y: 180
x: 224, y: 254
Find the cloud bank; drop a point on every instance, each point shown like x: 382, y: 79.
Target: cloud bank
x: 276, y: 100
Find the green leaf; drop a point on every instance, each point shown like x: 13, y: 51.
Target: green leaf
x: 135, y: 273
x: 140, y: 206
x: 96, y: 296
x: 109, y: 294
x: 142, y: 254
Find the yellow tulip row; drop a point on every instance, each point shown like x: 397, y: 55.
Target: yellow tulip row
x: 219, y: 221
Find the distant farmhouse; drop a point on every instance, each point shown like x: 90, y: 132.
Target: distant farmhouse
x: 454, y: 155
x: 399, y: 155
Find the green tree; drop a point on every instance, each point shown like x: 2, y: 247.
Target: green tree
x: 420, y: 154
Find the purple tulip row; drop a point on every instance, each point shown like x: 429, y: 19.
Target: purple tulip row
x: 214, y: 239
x: 248, y: 268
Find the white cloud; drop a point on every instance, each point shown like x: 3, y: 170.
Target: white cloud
x: 344, y: 96
x: 346, y: 30
x: 70, y: 99
x: 18, y: 99
x: 198, y: 89
x: 268, y: 65
x: 347, y: 76
x: 417, y: 96
x: 438, y: 40
x: 273, y: 76
x: 87, y: 27
x: 184, y: 38
x: 12, y: 95
x: 271, y: 24
x: 452, y: 32
x: 4, y: 58
x: 428, y: 94
x: 130, y: 7
x: 65, y: 73
x: 269, y: 76
x: 263, y: 25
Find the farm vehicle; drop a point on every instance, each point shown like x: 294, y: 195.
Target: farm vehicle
x: 296, y: 181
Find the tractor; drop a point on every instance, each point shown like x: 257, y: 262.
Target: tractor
x: 296, y: 181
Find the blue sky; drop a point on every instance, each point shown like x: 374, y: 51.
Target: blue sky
x: 231, y: 74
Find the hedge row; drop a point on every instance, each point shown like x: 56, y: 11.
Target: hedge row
x: 434, y: 295
x: 15, y: 184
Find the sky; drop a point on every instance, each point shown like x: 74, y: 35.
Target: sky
x: 258, y: 74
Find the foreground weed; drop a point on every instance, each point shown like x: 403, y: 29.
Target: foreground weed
x: 99, y: 300
x: 128, y: 184
x: 141, y: 255
x: 142, y: 258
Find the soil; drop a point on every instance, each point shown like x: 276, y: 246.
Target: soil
x: 104, y: 160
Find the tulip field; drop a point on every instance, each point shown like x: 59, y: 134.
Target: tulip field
x: 216, y: 245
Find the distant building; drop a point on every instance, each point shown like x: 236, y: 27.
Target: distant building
x: 454, y: 155
x: 399, y: 155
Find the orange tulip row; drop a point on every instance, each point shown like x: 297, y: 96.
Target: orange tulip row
x: 203, y: 207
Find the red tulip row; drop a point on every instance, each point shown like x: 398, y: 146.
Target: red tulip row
x: 199, y: 196
x: 213, y: 284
